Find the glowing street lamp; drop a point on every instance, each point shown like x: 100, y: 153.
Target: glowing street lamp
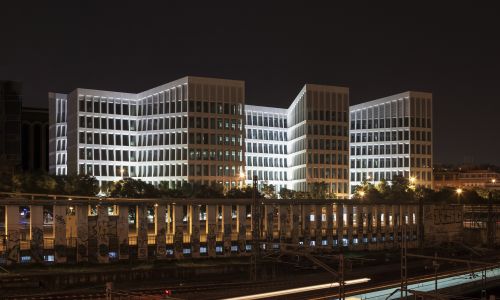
x: 413, y: 180
x: 362, y: 194
x: 459, y: 192
x: 121, y: 172
x: 493, y: 180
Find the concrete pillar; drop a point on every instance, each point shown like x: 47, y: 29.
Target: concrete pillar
x: 102, y: 234
x: 122, y: 232
x: 161, y: 231
x: 269, y: 222
x: 194, y: 226
x: 329, y: 224
x: 350, y: 212
x: 211, y: 227
x: 242, y: 227
x: 36, y: 232
x: 13, y: 233
x: 340, y: 224
x: 227, y: 228
x: 142, y: 232
x: 306, y: 222
x: 82, y: 232
x: 296, y: 223
x: 318, y: 232
x: 284, y: 222
x: 178, y: 230
x: 60, y: 242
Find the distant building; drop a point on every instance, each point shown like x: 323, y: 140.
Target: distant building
x: 467, y: 179
x: 188, y: 130
x: 23, y: 131
x: 35, y: 139
x: 303, y: 145
x: 10, y: 125
x: 392, y: 136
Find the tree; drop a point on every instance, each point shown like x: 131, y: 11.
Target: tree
x: 269, y: 191
x: 287, y: 194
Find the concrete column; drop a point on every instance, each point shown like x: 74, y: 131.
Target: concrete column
x: 350, y: 215
x: 318, y: 235
x: 306, y: 222
x: 269, y: 222
x: 296, y: 223
x: 283, y: 222
x: 122, y: 232
x: 13, y: 234
x: 60, y: 242
x: 36, y: 232
x: 227, y: 228
x: 102, y: 234
x: 142, y: 232
x: 82, y: 232
x: 329, y: 224
x: 340, y: 224
x: 178, y: 230
x: 194, y: 226
x: 161, y: 231
x: 211, y: 227
x: 242, y: 227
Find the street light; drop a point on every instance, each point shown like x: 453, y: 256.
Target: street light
x: 412, y: 180
x: 242, y: 178
x: 459, y: 192
x: 362, y: 194
x: 493, y: 180
x: 121, y: 172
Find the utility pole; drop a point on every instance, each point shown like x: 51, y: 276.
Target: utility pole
x: 436, y: 267
x: 255, y: 230
x: 404, y: 266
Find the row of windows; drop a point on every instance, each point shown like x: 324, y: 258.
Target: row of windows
x: 143, y: 108
x: 387, y: 136
x: 158, y: 123
x: 159, y: 170
x: 321, y: 129
x: 268, y: 175
x: 377, y: 176
x: 267, y: 135
x: 158, y: 155
x: 326, y: 144
x: 266, y: 148
x: 205, y: 154
x: 390, y: 123
x: 160, y: 139
x: 327, y: 158
x: 391, y: 149
x: 394, y: 162
x: 213, y: 170
x: 254, y: 161
x: 215, y: 123
x: 324, y: 115
x: 327, y: 172
x: 267, y: 121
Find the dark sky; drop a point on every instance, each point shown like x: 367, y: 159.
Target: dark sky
x: 376, y: 50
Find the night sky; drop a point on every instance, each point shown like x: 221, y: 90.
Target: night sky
x: 376, y: 51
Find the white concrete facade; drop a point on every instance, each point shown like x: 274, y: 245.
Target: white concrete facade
x: 392, y: 136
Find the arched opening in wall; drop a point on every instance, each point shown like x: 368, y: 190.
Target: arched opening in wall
x: 37, y: 143
x: 25, y: 146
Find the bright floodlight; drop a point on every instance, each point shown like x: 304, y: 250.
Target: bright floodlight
x: 459, y: 191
